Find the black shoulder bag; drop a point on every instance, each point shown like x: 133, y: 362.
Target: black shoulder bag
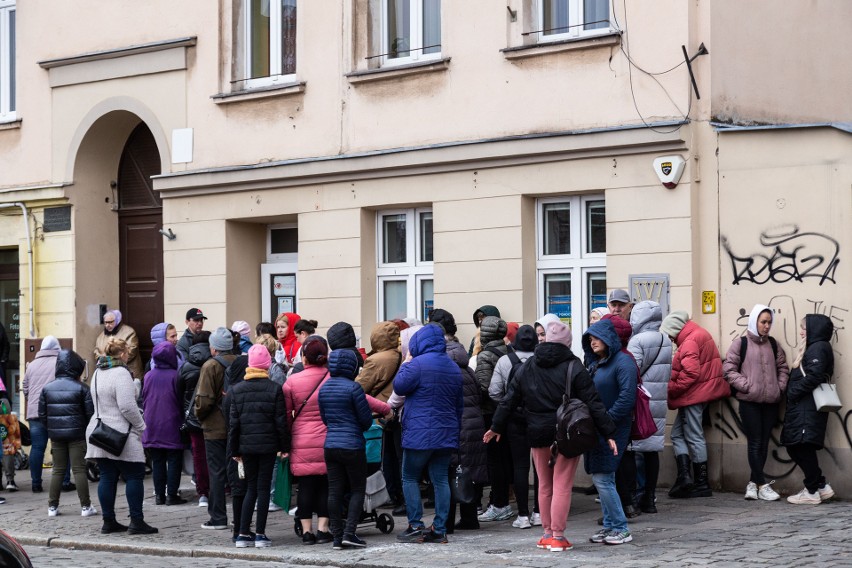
x: 105, y: 437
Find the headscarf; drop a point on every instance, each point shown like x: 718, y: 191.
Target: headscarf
x: 117, y: 315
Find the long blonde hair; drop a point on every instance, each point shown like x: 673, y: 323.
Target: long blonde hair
x: 800, y: 354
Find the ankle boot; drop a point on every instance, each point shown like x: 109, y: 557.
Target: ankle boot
x: 112, y: 526
x: 139, y: 526
x: 683, y: 485
x: 646, y: 502
x: 701, y: 487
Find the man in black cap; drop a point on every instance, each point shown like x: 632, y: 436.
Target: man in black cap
x: 194, y: 323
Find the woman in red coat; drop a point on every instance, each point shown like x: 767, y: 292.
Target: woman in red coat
x: 696, y: 380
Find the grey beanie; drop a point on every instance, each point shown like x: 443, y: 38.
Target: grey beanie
x: 221, y: 339
x: 674, y: 323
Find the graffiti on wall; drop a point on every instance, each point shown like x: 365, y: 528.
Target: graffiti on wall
x: 789, y: 255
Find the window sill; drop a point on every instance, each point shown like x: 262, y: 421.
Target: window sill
x: 284, y: 90
x: 577, y: 44
x: 11, y: 124
x: 386, y: 73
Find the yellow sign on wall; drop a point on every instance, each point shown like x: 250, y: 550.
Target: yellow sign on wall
x: 708, y: 302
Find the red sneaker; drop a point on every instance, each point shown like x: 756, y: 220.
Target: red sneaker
x: 544, y: 542
x: 559, y: 544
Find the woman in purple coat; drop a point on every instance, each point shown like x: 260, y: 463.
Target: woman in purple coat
x: 163, y: 414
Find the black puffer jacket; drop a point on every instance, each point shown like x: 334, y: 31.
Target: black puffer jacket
x: 471, y: 449
x: 188, y: 380
x: 803, y: 423
x: 491, y: 334
x: 65, y: 404
x: 539, y: 385
x: 258, y: 416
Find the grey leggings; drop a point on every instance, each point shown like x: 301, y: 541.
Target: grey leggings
x: 688, y: 433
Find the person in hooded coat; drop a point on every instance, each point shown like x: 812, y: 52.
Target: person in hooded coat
x: 39, y: 372
x: 541, y: 326
x: 163, y: 411
x: 614, y: 373
x: 803, y: 433
x: 652, y: 352
x: 538, y: 389
x: 199, y: 353
x: 505, y: 372
x: 758, y: 381
x: 65, y: 408
x: 286, y: 334
x: 480, y: 314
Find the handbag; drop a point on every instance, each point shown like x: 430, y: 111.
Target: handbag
x: 106, y: 437
x: 643, y: 425
x: 826, y: 398
x: 375, y: 492
x: 461, y: 484
x: 283, y: 484
x: 575, y: 430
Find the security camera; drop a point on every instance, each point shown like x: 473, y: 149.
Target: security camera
x: 669, y: 169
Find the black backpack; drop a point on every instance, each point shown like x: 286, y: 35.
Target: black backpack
x: 575, y: 429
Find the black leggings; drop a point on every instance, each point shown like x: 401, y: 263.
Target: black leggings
x: 805, y: 456
x: 258, y: 469
x: 312, y: 496
x: 517, y: 437
x: 500, y: 470
x: 758, y: 420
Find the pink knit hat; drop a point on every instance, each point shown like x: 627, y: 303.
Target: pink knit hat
x: 558, y: 332
x: 258, y: 357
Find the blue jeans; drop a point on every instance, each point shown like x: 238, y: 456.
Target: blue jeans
x: 438, y: 462
x: 134, y: 473
x: 613, y: 514
x: 166, y: 467
x: 38, y: 432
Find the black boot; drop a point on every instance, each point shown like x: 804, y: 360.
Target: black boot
x: 139, y: 526
x: 160, y: 500
x: 646, y: 502
x: 701, y: 487
x: 683, y: 485
x: 631, y: 511
x: 399, y: 509
x: 112, y: 526
x: 175, y: 500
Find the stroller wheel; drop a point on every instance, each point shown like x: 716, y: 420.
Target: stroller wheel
x: 384, y: 523
x: 297, y: 528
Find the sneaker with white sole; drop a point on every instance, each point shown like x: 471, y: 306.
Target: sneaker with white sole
x: 751, y: 491
x: 559, y: 544
x: 273, y: 507
x: 599, y: 536
x: 766, y: 493
x: 497, y: 514
x: 618, y: 537
x: 260, y: 541
x: 52, y: 511
x: 805, y: 497
x: 535, y: 519
x: 89, y: 511
x: 522, y: 523
x: 202, y: 501
x: 487, y: 514
x: 826, y: 493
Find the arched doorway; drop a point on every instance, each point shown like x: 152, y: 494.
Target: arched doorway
x: 140, y: 218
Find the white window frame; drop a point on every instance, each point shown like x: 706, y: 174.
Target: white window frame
x: 280, y: 257
x: 416, y: 34
x: 575, y: 14
x: 275, y: 77
x: 7, y: 55
x: 413, y: 271
x: 578, y: 263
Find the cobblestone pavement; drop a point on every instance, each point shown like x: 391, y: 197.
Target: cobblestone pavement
x: 723, y: 530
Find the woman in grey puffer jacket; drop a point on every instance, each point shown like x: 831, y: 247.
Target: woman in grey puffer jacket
x: 652, y: 351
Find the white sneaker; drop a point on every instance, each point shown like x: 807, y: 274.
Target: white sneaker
x: 522, y: 523
x: 52, y: 511
x: 535, y: 520
x: 804, y: 497
x: 273, y: 507
x: 89, y: 511
x: 202, y: 501
x: 826, y: 493
x: 751, y: 491
x: 487, y: 515
x: 766, y: 492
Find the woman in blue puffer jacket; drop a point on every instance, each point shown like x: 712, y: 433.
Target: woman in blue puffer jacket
x: 347, y: 413
x: 614, y: 373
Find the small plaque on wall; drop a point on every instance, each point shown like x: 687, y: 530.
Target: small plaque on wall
x: 57, y: 219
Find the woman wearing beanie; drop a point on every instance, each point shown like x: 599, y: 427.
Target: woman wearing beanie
x: 696, y: 380
x: 342, y: 336
x: 505, y: 372
x: 347, y: 414
x: 244, y: 329
x: 307, y: 455
x: 614, y: 373
x: 256, y: 434
x: 757, y: 371
x: 803, y: 432
x: 538, y: 389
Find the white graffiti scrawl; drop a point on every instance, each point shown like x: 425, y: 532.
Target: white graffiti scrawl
x: 792, y: 256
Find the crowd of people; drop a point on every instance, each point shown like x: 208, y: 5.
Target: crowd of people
x: 291, y: 402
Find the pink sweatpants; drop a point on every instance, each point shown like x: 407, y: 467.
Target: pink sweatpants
x: 554, y: 489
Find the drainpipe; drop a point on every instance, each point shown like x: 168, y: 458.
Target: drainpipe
x: 29, y: 259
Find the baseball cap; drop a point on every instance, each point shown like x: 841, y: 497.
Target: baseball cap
x: 194, y: 314
x: 620, y: 296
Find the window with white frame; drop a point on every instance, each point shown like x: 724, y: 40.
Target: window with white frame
x: 567, y: 19
x: 571, y: 258
x: 269, y: 38
x: 405, y: 261
x: 7, y: 61
x: 411, y: 31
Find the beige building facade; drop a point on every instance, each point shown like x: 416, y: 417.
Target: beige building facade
x: 362, y: 160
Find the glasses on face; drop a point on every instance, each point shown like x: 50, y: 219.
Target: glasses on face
x: 109, y: 322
